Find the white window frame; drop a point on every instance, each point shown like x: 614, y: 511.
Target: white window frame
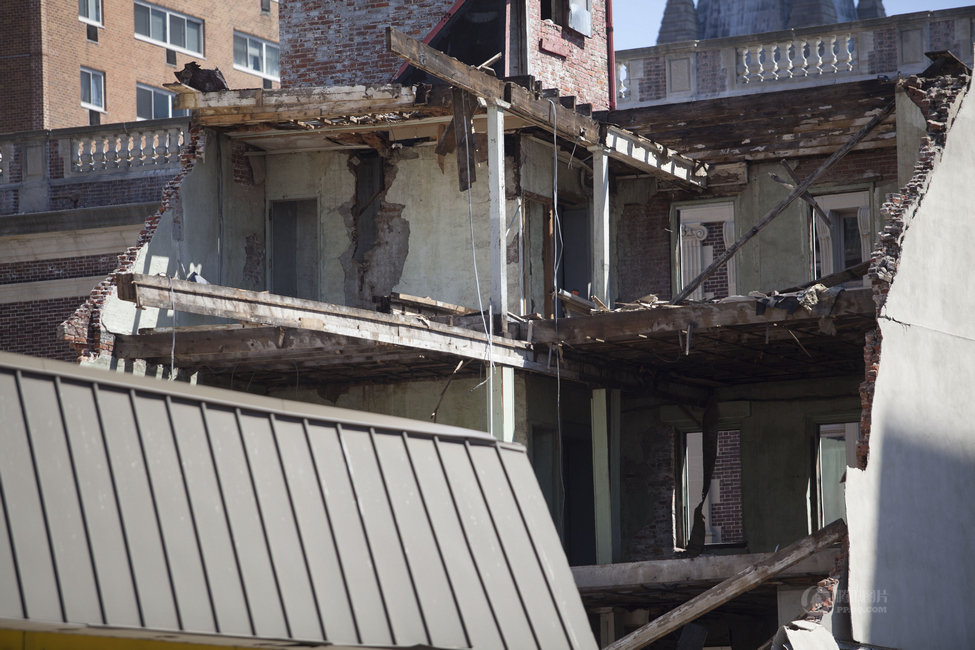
x: 691, y: 256
x: 263, y: 45
x: 88, y: 19
x: 169, y: 15
x: 822, y: 232
x: 94, y: 74
x: 848, y: 433
x: 155, y: 91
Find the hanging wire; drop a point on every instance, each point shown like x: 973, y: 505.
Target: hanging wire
x: 477, y: 281
x: 558, y: 245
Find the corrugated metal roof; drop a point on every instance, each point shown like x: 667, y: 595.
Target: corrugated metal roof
x: 128, y: 503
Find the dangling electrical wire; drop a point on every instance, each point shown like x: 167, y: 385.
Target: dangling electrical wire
x: 557, y: 258
x: 477, y: 280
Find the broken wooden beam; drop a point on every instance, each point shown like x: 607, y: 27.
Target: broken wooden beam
x: 360, y: 325
x: 777, y: 210
x: 548, y: 113
x: 744, y: 581
x: 630, y: 325
x: 255, y: 105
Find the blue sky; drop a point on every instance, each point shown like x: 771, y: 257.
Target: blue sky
x: 636, y: 22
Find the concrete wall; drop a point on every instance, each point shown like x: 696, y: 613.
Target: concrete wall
x: 911, y: 569
x: 197, y: 232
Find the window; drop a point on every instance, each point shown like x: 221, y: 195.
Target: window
x: 93, y: 89
x: 90, y: 11
x: 832, y: 445
x: 168, y: 28
x: 579, y: 14
x: 706, y: 231
x: 256, y: 56
x: 846, y: 239
x: 154, y: 104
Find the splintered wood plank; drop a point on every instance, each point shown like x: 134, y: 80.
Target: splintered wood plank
x: 747, y: 579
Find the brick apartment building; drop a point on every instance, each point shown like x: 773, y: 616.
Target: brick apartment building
x: 105, y: 61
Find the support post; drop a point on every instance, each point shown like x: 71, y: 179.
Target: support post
x: 503, y: 403
x: 615, y: 489
x: 499, y: 276
x: 600, y: 224
x: 600, y: 477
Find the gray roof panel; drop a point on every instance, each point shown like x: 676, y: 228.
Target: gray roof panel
x: 136, y: 507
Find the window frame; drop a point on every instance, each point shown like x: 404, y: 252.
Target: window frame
x: 820, y: 232
x: 87, y: 19
x: 156, y: 91
x: 688, y: 217
x: 93, y: 74
x: 264, y: 43
x: 850, y: 438
x: 169, y: 16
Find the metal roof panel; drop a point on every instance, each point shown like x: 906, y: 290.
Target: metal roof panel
x: 130, y: 507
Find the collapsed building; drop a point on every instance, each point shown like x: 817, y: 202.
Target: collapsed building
x: 475, y: 246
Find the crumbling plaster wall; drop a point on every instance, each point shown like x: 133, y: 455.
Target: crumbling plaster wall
x: 439, y: 261
x: 910, y: 544
x: 325, y: 177
x: 201, y: 228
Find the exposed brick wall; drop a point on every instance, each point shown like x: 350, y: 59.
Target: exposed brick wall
x: 342, y: 42
x: 243, y: 172
x: 647, y: 490
x: 583, y: 71
x: 726, y: 510
x: 653, y: 84
x: 118, y: 191
x: 883, y: 57
x: 712, y: 77
x: 57, y: 269
x: 83, y: 329
x: 717, y: 283
x: 31, y: 327
x: 643, y: 250
x: 942, y: 35
x: 938, y: 100
x: 872, y: 164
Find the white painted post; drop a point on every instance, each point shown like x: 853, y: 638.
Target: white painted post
x: 503, y: 403
x: 600, y: 224
x: 600, y: 477
x: 499, y: 275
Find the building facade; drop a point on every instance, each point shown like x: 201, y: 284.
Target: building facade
x: 105, y: 61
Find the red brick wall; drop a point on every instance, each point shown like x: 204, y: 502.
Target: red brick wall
x: 726, y: 510
x: 883, y: 57
x: 342, y: 42
x: 647, y: 490
x: 32, y: 26
x: 583, y: 70
x: 653, y: 84
x: 20, y: 63
x: 57, y: 269
x: 31, y: 327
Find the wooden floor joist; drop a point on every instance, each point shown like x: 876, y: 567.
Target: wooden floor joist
x: 622, y: 145
x: 744, y: 581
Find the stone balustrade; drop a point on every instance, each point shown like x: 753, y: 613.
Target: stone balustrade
x: 124, y: 147
x: 68, y: 168
x: 881, y: 47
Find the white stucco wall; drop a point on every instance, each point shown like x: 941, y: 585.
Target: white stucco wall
x: 912, y: 570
